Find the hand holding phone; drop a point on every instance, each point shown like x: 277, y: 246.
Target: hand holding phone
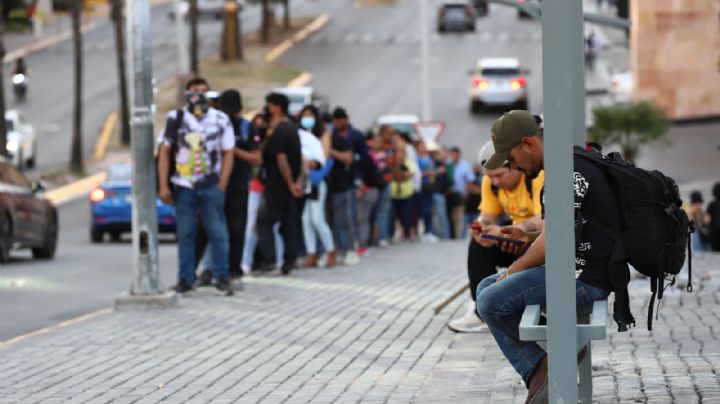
x: 505, y: 239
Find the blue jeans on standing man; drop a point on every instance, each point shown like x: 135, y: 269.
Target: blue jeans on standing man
x: 440, y: 207
x: 501, y: 305
x: 382, y: 216
x: 210, y: 201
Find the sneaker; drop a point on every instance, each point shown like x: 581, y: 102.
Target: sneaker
x: 205, y: 278
x: 429, y: 238
x: 322, y: 261
x: 286, y: 269
x: 469, y: 323
x: 224, y: 287
x: 384, y: 244
x: 245, y: 269
x: 351, y: 258
x: 183, y: 287
x: 362, y: 251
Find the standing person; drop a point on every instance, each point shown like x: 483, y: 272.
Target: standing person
x: 246, y: 154
x: 713, y: 219
x: 360, y: 158
x: 696, y: 212
x: 590, y: 52
x: 282, y: 162
x: 340, y: 186
x: 502, y: 298
x: 402, y: 190
x: 442, y: 188
x: 314, y: 224
x: 426, y: 167
x: 473, y: 198
x: 202, y: 143
x: 255, y: 192
x: 367, y: 194
x: 460, y: 174
x: 382, y: 153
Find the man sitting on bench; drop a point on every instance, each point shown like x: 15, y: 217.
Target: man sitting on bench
x: 501, y: 298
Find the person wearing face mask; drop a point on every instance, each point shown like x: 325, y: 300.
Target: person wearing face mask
x: 201, y: 140
x: 314, y: 224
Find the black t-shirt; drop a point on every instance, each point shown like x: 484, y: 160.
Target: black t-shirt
x: 244, y: 140
x: 472, y: 201
x: 594, y: 197
x: 341, y: 175
x: 442, y: 185
x: 284, y: 139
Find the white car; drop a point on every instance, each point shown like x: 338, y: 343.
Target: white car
x: 302, y: 96
x: 211, y: 8
x: 621, y: 87
x: 405, y: 123
x: 21, y: 140
x: 497, y: 81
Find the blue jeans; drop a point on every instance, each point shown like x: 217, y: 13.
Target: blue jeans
x: 382, y: 218
x: 501, y: 305
x: 440, y: 207
x: 211, y: 203
x: 698, y: 244
x: 426, y: 206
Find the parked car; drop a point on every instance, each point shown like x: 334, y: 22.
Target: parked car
x: 621, y: 87
x: 111, y: 206
x: 523, y: 14
x: 206, y: 8
x: 481, y: 7
x: 21, y: 140
x: 302, y: 96
x: 456, y: 16
x: 27, y: 218
x: 497, y: 82
x: 405, y: 123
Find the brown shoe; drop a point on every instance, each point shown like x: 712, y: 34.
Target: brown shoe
x: 538, y: 386
x: 331, y: 259
x: 310, y: 261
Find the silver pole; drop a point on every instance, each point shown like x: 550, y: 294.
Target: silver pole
x: 181, y: 40
x: 144, y: 213
x: 564, y: 101
x: 425, y: 61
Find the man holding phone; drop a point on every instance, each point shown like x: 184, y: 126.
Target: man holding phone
x: 507, y: 196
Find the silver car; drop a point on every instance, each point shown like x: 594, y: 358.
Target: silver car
x: 21, y: 140
x: 497, y: 82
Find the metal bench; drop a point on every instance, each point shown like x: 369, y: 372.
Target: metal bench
x: 591, y: 325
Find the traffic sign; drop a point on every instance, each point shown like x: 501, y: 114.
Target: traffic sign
x: 430, y: 130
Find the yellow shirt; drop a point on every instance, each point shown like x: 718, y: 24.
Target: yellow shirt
x: 403, y: 189
x: 516, y: 203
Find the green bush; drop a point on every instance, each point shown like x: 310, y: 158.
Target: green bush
x: 629, y: 126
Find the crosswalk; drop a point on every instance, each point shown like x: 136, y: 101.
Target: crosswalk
x: 375, y: 38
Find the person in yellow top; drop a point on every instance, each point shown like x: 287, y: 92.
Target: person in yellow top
x: 402, y: 190
x: 507, y: 196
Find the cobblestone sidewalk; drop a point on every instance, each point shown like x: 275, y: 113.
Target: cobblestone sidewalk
x: 354, y: 334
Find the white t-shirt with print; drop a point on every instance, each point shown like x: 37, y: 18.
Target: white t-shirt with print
x: 201, y: 142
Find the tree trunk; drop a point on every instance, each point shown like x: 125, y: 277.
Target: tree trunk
x: 76, y: 160
x: 194, y: 69
x: 231, y: 39
x: 3, y: 129
x: 266, y: 23
x: 286, y: 14
x: 117, y: 18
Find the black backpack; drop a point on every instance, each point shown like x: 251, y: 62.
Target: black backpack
x: 655, y: 231
x: 172, y: 127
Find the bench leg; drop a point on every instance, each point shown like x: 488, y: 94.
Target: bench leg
x: 585, y: 371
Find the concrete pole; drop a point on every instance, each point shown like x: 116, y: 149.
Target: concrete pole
x: 425, y: 61
x: 144, y: 213
x: 181, y: 41
x: 564, y: 101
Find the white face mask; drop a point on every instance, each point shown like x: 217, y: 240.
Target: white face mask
x: 307, y: 122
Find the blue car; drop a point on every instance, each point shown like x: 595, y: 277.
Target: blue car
x: 111, y: 207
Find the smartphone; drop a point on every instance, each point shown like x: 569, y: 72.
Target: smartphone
x: 509, y: 240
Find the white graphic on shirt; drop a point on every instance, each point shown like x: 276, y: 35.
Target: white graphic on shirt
x: 580, y: 186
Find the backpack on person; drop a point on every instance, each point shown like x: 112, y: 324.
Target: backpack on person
x: 655, y: 231
x: 172, y: 128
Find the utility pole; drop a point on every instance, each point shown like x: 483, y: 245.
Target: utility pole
x: 144, y: 213
x: 118, y: 21
x: 181, y: 40
x: 425, y: 61
x: 3, y: 129
x: 76, y: 158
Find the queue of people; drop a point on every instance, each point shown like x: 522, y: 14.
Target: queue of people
x: 279, y: 192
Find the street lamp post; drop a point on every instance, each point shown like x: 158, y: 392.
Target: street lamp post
x: 425, y: 61
x: 181, y: 40
x: 145, y: 287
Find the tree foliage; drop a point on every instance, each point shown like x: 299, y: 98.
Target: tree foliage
x: 629, y: 126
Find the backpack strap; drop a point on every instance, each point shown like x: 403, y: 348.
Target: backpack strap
x: 175, y: 129
x: 690, y: 232
x: 621, y: 311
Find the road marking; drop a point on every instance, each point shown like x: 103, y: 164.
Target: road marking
x: 299, y: 36
x: 63, y: 324
x: 44, y: 43
x: 74, y: 190
x: 105, y: 136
